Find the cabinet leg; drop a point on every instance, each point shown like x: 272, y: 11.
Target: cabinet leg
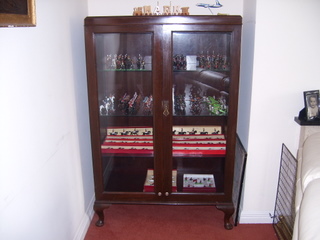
x: 99, y: 211
x: 228, y: 212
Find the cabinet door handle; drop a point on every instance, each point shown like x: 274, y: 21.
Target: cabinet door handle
x: 167, y: 194
x: 165, y: 106
x: 159, y: 194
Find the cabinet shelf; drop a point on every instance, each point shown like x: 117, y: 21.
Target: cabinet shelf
x: 188, y: 141
x: 125, y: 70
x: 201, y: 69
x: 120, y: 179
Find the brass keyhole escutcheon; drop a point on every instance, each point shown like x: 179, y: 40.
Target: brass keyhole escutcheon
x: 165, y: 106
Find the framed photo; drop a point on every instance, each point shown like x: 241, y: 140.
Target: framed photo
x: 17, y: 13
x: 311, y: 101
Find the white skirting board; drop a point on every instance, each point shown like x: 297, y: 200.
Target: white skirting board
x: 85, y: 221
x: 253, y: 217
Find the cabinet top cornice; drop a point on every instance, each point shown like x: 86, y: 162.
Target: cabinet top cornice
x: 190, y: 19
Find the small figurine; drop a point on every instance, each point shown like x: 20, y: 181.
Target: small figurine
x: 146, y: 132
x: 216, y: 131
x: 176, y: 10
x: 209, y: 6
x: 166, y: 10
x: 147, y: 10
x: 112, y: 97
x: 179, y: 104
x: 193, y: 132
x: 113, y: 62
x: 182, y: 132
x: 137, y: 11
x: 203, y: 132
x: 124, y: 132
x: 107, y: 105
x: 132, y: 103
x: 185, y: 11
x: 135, y: 132
x: 102, y: 110
x: 123, y: 103
x: 148, y: 105
x: 113, y: 133
x: 157, y: 10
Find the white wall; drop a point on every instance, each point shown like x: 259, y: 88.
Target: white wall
x: 125, y: 7
x: 46, y: 184
x: 247, y: 57
x: 286, y: 63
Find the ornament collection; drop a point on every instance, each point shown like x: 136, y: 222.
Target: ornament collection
x: 123, y: 62
x: 126, y: 104
x: 131, y: 104
x: 205, y: 61
x: 166, y: 10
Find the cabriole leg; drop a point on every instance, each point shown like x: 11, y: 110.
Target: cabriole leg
x: 99, y: 211
x: 228, y: 212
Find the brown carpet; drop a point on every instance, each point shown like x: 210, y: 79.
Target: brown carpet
x: 153, y: 222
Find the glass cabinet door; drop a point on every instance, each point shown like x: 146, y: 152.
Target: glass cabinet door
x: 200, y: 96
x: 125, y: 109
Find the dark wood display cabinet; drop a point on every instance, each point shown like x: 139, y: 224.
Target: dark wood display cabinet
x: 163, y: 93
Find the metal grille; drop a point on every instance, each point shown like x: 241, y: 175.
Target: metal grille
x: 284, y: 213
x: 239, y: 170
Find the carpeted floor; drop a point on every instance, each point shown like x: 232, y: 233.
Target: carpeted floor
x: 153, y: 222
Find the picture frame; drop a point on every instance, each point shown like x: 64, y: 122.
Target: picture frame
x: 311, y: 101
x: 17, y: 13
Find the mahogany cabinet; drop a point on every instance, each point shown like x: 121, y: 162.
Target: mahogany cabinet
x: 163, y: 96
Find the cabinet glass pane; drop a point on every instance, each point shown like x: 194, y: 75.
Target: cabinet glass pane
x: 125, y: 103
x: 201, y: 70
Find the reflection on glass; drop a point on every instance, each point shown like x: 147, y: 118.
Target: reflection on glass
x: 201, y: 70
x: 201, y: 74
x: 125, y: 103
